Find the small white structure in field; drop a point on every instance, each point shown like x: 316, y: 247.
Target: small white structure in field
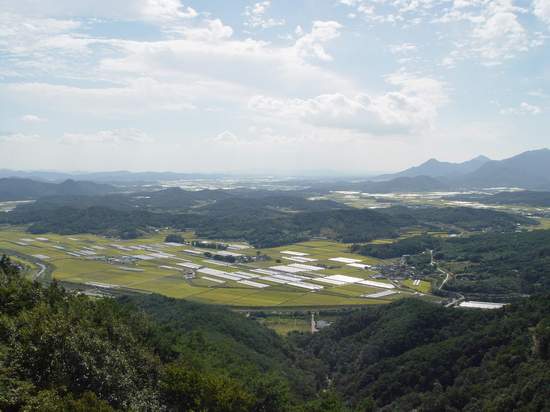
x: 382, y: 294
x: 481, y: 305
x: 265, y: 271
x: 330, y: 281
x: 42, y: 257
x: 300, y: 259
x: 305, y: 267
x: 219, y: 274
x: 290, y: 252
x: 345, y: 260
x: 345, y: 280
x: 253, y: 284
x: 287, y: 269
x: 377, y: 284
x: 304, y: 285
x: 246, y: 275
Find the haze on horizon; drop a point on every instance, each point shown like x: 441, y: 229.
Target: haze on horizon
x: 350, y: 86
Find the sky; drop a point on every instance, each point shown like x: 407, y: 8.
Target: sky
x: 350, y: 86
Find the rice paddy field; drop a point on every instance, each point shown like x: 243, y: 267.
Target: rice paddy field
x: 311, y: 274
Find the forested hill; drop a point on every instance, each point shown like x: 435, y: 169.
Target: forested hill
x: 65, y: 352
x: 489, y: 263
x: 62, y: 352
x: 413, y: 355
x: 263, y: 222
x: 26, y: 189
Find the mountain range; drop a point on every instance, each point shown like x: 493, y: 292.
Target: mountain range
x: 435, y: 168
x: 528, y: 170
x: 13, y: 188
x: 121, y: 176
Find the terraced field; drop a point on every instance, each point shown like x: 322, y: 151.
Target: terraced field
x: 317, y: 273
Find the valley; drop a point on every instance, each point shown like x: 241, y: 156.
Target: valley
x: 329, y: 275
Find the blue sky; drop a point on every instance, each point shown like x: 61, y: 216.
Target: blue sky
x: 270, y: 86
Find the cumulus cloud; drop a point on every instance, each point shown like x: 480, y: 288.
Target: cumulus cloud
x: 116, y: 136
x: 524, y: 108
x: 495, y: 32
x: 541, y: 9
x: 500, y: 35
x: 256, y: 16
x: 312, y: 43
x: 209, y: 51
x: 413, y: 106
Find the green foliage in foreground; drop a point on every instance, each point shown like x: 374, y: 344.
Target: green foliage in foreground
x: 66, y: 352
x: 63, y: 352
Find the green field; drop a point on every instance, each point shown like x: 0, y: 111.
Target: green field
x: 112, y: 264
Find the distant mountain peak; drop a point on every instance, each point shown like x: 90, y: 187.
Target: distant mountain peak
x: 481, y: 158
x: 438, y: 169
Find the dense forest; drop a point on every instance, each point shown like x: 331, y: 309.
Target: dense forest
x: 61, y: 351
x: 263, y: 219
x: 416, y: 356
x: 490, y: 263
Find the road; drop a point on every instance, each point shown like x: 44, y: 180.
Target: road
x: 448, y: 275
x: 40, y: 272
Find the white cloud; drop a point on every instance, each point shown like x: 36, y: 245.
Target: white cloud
x: 312, y: 43
x: 140, y: 95
x: 500, y: 35
x: 211, y: 31
x: 492, y: 33
x: 32, y: 118
x: 209, y: 52
x: 541, y: 9
x: 146, y: 10
x: 226, y: 137
x: 523, y: 109
x: 116, y: 137
x: 256, y: 16
x: 403, y: 48
x: 414, y: 106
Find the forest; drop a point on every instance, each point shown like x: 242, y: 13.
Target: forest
x: 62, y: 351
x: 262, y: 219
x: 490, y: 263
